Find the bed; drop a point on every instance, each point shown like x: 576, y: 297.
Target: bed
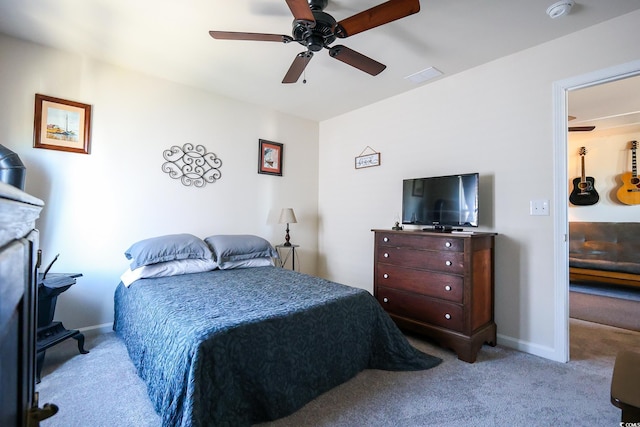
x: 239, y: 346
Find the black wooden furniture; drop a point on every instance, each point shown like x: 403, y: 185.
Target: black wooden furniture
x: 51, y: 333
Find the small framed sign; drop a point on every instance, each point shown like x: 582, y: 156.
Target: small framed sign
x: 368, y: 160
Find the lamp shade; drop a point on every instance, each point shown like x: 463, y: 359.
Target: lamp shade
x: 287, y: 216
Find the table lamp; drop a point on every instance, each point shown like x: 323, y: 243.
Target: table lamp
x: 287, y: 216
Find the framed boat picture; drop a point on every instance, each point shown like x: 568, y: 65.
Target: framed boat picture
x: 62, y: 125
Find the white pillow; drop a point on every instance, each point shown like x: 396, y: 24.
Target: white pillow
x: 169, y: 268
x: 246, y: 263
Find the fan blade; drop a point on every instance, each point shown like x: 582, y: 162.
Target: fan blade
x: 297, y: 67
x: 376, y: 16
x: 231, y: 35
x: 302, y: 12
x: 356, y: 59
x: 581, y: 128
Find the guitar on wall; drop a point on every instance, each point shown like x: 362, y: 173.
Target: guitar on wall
x: 629, y: 193
x: 584, y: 191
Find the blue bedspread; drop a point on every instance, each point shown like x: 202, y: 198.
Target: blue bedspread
x: 238, y: 347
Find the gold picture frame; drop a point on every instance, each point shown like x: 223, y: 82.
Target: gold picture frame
x: 62, y: 125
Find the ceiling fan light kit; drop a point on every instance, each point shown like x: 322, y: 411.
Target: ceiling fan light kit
x: 316, y: 30
x: 560, y: 8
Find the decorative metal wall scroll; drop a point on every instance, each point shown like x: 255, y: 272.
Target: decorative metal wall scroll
x: 193, y: 166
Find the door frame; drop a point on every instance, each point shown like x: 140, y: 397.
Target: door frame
x: 561, y: 191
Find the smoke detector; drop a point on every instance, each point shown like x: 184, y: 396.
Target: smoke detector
x: 560, y: 8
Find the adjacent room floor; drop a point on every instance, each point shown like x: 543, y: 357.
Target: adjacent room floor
x: 611, y: 305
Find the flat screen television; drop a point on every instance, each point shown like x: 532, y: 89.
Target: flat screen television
x: 442, y: 202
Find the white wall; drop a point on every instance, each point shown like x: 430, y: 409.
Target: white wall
x: 98, y: 204
x: 495, y: 119
x: 608, y: 156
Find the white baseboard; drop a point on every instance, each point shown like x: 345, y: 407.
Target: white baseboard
x: 527, y: 347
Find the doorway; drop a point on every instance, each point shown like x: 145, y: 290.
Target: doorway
x: 603, y: 120
x: 561, y: 90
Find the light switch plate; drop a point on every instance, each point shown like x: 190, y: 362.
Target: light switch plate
x: 539, y: 207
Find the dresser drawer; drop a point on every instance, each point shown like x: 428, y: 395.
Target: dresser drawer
x: 429, y: 283
x: 448, y: 262
x: 418, y: 307
x: 421, y: 241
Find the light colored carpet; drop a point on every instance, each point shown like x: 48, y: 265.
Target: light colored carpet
x: 504, y: 387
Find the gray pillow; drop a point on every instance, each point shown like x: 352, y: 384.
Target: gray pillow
x: 167, y: 248
x: 236, y: 247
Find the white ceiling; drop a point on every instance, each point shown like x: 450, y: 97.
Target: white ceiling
x: 169, y: 39
x: 611, y: 107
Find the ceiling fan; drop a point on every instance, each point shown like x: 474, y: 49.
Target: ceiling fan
x: 579, y: 128
x: 316, y: 30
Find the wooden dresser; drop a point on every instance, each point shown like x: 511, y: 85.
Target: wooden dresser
x: 440, y: 285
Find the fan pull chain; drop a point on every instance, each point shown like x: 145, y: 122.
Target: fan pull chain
x: 304, y: 78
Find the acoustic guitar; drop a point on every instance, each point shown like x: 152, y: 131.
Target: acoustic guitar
x: 629, y: 193
x: 584, y: 191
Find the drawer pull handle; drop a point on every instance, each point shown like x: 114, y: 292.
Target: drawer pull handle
x: 386, y: 239
x: 448, y: 244
x: 447, y: 288
x: 385, y: 299
x: 386, y: 255
x: 447, y: 316
x: 448, y: 263
x: 385, y: 275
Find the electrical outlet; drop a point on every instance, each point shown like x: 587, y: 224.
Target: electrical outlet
x: 539, y: 207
